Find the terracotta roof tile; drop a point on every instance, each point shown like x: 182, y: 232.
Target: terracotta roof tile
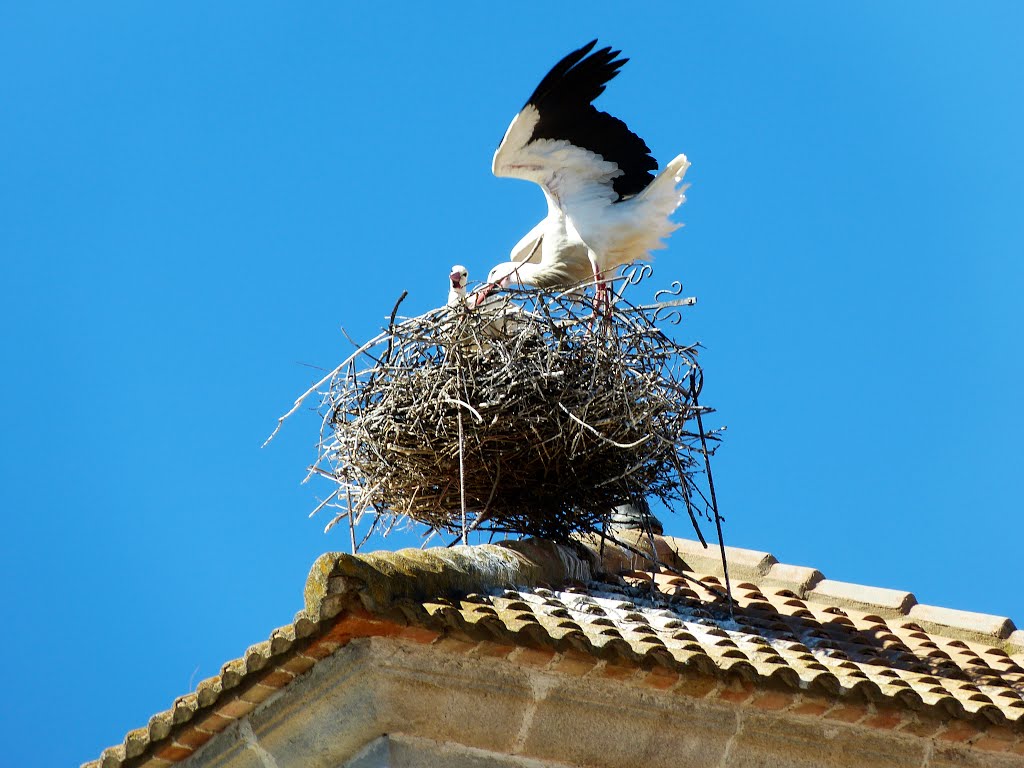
x: 862, y: 654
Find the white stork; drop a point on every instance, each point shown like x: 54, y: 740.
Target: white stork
x: 457, y: 293
x: 606, y: 208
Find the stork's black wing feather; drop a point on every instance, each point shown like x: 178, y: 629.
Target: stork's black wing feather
x: 563, y: 100
x: 561, y: 69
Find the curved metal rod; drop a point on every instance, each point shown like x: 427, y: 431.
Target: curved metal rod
x: 636, y: 273
x: 670, y: 316
x: 675, y: 290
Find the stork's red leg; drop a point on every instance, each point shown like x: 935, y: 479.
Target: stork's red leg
x: 600, y: 287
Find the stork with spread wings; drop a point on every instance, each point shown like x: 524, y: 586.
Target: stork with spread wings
x: 606, y: 208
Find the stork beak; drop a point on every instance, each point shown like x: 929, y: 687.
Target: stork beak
x: 456, y: 278
x: 483, y: 292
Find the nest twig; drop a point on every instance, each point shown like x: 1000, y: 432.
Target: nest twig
x: 527, y: 415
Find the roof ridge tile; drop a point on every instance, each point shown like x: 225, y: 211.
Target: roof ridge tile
x: 770, y: 575
x: 1015, y: 643
x: 744, y: 564
x: 953, y: 622
x: 798, y: 578
x: 379, y: 579
x: 895, y: 602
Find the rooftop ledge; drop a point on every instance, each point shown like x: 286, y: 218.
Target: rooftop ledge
x: 797, y: 641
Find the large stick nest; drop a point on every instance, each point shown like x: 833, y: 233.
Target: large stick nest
x: 526, y: 415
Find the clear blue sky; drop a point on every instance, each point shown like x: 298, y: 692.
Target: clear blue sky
x: 194, y: 200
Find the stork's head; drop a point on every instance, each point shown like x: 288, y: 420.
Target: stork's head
x: 501, y: 276
x: 505, y: 274
x: 459, y: 277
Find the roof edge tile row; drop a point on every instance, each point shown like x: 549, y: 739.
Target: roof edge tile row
x: 409, y: 594
x: 810, y: 584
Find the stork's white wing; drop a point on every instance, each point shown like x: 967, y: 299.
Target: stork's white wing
x: 562, y: 142
x: 528, y: 249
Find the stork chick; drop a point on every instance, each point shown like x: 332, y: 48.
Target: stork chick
x: 457, y: 292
